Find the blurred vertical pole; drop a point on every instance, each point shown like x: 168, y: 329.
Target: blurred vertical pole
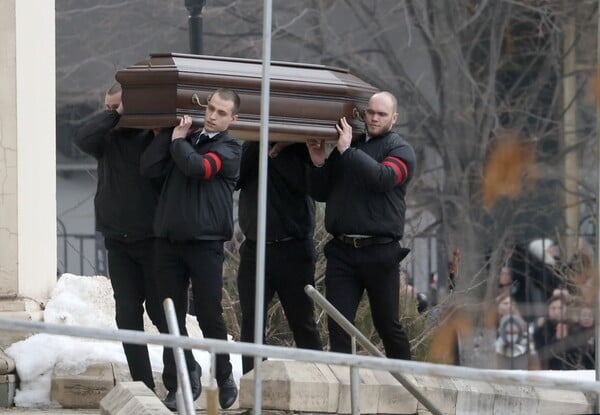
x: 597, y: 262
x: 195, y: 25
x: 265, y: 94
x: 569, y: 136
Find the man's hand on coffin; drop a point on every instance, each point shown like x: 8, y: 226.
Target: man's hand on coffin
x: 316, y: 149
x: 345, y: 135
x: 183, y: 129
x: 120, y: 109
x: 277, y: 148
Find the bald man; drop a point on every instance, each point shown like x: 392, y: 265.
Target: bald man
x: 363, y: 184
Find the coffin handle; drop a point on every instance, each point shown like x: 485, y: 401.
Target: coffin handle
x: 358, y: 114
x: 196, y: 101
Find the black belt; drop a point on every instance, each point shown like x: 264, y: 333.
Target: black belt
x: 362, y: 241
x: 289, y: 238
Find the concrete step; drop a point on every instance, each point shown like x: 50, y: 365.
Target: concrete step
x: 132, y: 398
x: 301, y: 387
x: 7, y: 380
x: 289, y: 386
x: 86, y: 390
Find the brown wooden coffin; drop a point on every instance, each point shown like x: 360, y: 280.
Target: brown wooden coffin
x: 305, y: 100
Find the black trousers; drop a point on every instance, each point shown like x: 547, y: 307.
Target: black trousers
x: 289, y: 266
x: 201, y: 262
x: 375, y: 268
x: 132, y: 279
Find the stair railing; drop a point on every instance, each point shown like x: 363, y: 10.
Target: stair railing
x: 357, y: 336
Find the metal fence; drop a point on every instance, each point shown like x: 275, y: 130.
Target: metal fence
x: 80, y: 254
x: 304, y: 355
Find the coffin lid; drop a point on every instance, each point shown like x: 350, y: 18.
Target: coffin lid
x: 306, y: 100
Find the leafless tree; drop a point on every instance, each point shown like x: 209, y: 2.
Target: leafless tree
x: 471, y: 75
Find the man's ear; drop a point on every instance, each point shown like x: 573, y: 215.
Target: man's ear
x: 234, y: 118
x: 394, y: 118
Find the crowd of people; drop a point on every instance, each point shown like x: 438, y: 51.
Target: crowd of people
x: 544, y: 315
x: 164, y: 205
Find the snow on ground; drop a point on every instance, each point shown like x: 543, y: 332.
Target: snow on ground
x: 84, y: 301
x: 88, y: 301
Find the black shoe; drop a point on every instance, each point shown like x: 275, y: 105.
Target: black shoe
x: 227, y: 392
x: 171, y: 401
x: 196, y: 381
x: 196, y: 385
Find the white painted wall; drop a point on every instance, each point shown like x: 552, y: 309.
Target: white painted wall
x: 8, y: 150
x: 27, y: 149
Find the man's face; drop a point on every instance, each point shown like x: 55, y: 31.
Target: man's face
x: 218, y: 114
x: 380, y: 115
x: 111, y: 102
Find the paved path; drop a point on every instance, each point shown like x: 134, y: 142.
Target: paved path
x: 47, y: 411
x: 61, y: 411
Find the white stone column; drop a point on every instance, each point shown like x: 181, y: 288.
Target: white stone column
x: 27, y: 157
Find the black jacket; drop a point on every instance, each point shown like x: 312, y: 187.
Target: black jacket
x: 195, y: 203
x: 364, y: 196
x: 554, y: 353
x: 290, y: 211
x: 584, y: 350
x: 125, y: 201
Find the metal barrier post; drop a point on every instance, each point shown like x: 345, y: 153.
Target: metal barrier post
x: 212, y: 394
x: 184, y: 389
x: 365, y: 343
x: 354, y: 384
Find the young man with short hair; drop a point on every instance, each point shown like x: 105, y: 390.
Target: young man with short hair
x: 193, y: 219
